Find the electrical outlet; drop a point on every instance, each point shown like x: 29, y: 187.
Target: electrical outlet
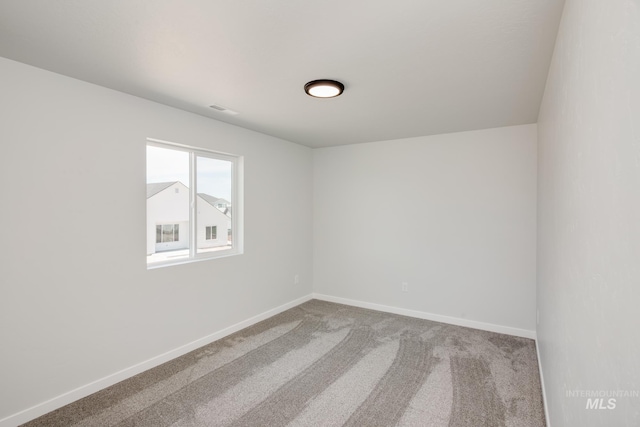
x: 296, y: 279
x: 405, y: 287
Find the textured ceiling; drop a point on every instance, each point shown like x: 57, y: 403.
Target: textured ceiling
x: 410, y: 67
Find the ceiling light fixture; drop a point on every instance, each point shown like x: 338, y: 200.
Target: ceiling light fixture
x: 324, y: 88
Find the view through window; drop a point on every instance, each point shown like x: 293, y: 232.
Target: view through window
x: 191, y: 198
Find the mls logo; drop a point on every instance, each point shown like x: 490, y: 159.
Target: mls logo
x: 600, y: 404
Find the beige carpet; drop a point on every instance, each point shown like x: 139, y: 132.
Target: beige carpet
x: 325, y: 364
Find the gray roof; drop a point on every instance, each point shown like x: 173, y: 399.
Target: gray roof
x: 209, y: 199
x: 156, y: 187
x: 213, y: 201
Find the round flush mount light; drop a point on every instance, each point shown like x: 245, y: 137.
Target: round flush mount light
x: 324, y: 88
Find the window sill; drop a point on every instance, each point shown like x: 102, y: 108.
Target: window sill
x: 199, y: 258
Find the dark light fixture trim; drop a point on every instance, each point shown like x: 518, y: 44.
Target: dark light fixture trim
x: 324, y: 88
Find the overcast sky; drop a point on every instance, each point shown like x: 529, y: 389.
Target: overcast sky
x: 214, y: 176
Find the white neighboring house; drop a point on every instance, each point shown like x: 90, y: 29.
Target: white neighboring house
x: 223, y: 205
x: 168, y: 219
x: 214, y: 226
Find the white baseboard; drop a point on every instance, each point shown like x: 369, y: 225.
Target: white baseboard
x: 84, y: 391
x: 544, y: 392
x: 430, y: 316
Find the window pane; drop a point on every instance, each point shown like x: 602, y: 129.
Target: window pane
x: 167, y: 204
x: 167, y: 233
x: 214, y: 203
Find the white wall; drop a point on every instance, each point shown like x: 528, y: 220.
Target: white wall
x: 72, y: 164
x: 453, y: 215
x: 589, y: 213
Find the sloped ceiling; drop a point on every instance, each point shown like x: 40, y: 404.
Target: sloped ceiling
x: 410, y: 67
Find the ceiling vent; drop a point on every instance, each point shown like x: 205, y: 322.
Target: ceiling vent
x: 222, y: 109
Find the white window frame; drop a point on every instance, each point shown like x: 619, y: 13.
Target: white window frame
x: 237, y: 173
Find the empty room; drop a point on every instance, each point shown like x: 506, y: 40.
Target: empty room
x: 336, y: 213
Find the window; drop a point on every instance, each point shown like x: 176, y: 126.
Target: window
x: 185, y: 188
x: 167, y: 233
x: 212, y: 232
